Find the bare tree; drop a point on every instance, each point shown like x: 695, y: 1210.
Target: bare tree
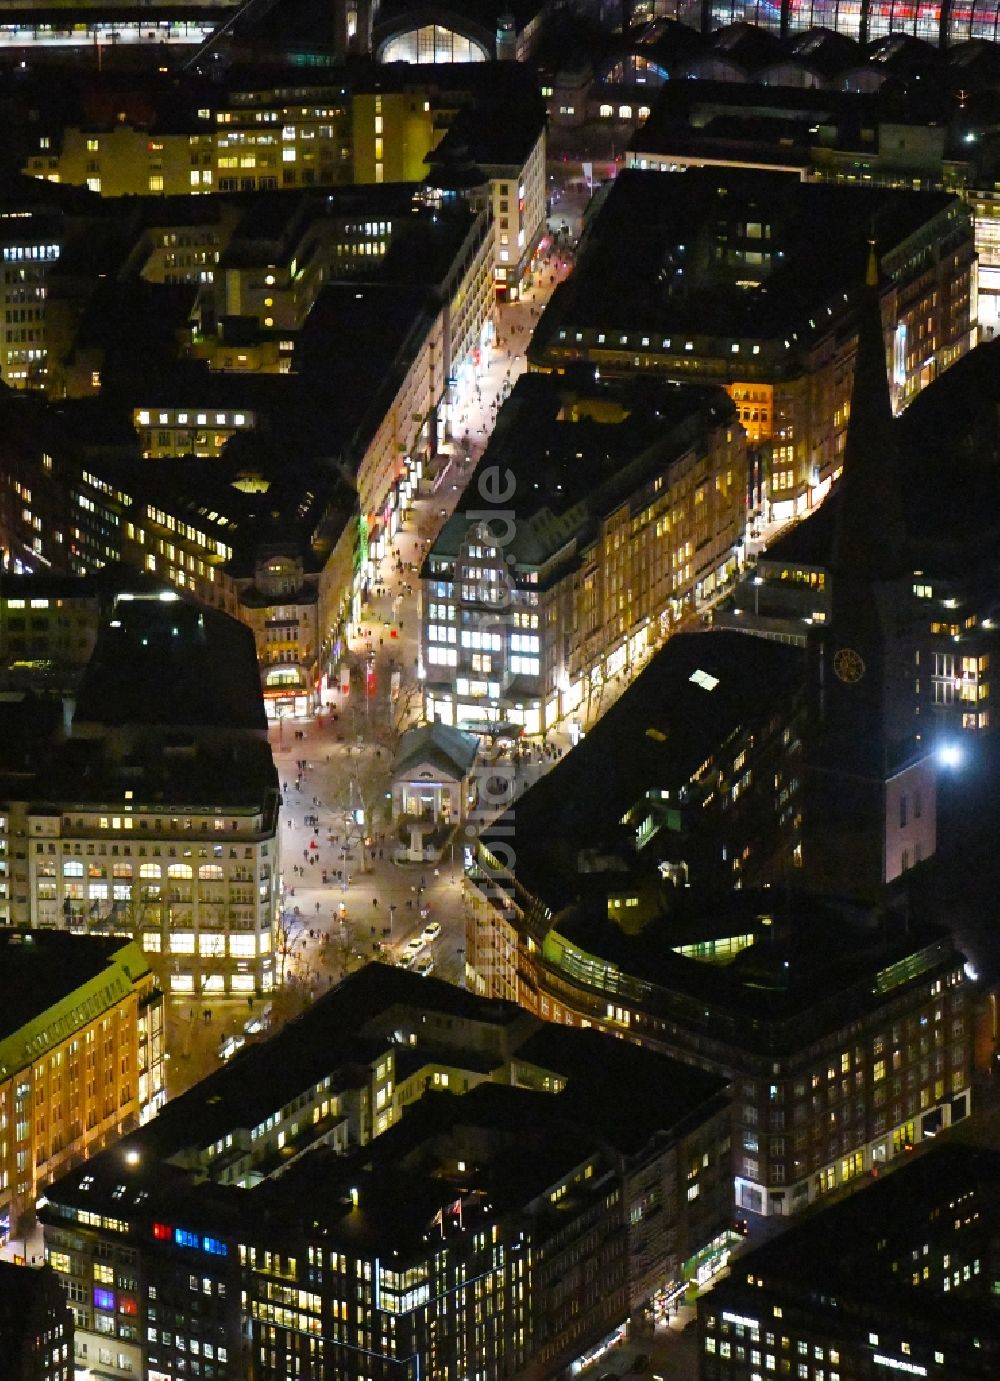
x: 289, y: 938
x: 361, y: 783
x: 406, y: 710
x: 144, y: 911
x: 338, y: 948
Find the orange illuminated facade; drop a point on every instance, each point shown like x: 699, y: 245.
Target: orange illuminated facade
x: 81, y: 1056
x: 755, y: 405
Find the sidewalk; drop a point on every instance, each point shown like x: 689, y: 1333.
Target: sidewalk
x: 374, y: 894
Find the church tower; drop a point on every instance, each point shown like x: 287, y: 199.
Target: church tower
x: 865, y: 768
x: 352, y: 27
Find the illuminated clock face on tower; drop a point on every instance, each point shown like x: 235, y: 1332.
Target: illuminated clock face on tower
x: 848, y: 665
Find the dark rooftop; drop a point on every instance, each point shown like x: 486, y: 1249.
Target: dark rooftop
x: 163, y: 661
x: 950, y: 427
x: 136, y: 318
x: 647, y: 263
x: 598, y: 1070
x: 493, y: 135
x: 813, y: 959
x: 517, y: 1142
x: 879, y: 1235
x: 164, y: 769
x: 38, y: 968
x: 342, y: 393
x: 653, y: 738
x: 31, y: 1300
x: 578, y: 449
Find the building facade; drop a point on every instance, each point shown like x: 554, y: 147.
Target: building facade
x: 908, y: 1292
x: 308, y: 1227
x: 536, y: 611
x: 36, y: 1326
x: 281, y: 605
x: 739, y: 300
x: 820, y: 1099
x: 31, y: 244
x: 845, y: 1030
x: 155, y: 869
x: 149, y: 806
x: 81, y: 1057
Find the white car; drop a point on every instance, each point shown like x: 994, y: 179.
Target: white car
x: 430, y: 932
x: 413, y: 947
x: 424, y: 965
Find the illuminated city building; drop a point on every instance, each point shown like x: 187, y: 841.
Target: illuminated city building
x: 157, y: 817
x: 176, y: 470
x: 402, y: 1183
x: 619, y: 86
x: 279, y: 256
x: 81, y: 1057
x: 257, y: 140
x: 282, y: 608
x: 950, y: 604
x: 58, y: 514
x: 431, y: 776
x: 623, y: 517
x: 36, y: 1326
x: 844, y: 1047
x: 945, y: 23
x: 472, y: 33
x: 847, y: 1036
x: 384, y: 129
x: 723, y: 284
x: 832, y: 136
x: 910, y: 1291
x: 508, y: 143
x: 369, y: 126
x: 31, y: 243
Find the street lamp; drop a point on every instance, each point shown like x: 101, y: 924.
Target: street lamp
x: 950, y: 754
x: 757, y: 582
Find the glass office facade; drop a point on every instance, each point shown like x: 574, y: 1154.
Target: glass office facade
x: 935, y: 21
